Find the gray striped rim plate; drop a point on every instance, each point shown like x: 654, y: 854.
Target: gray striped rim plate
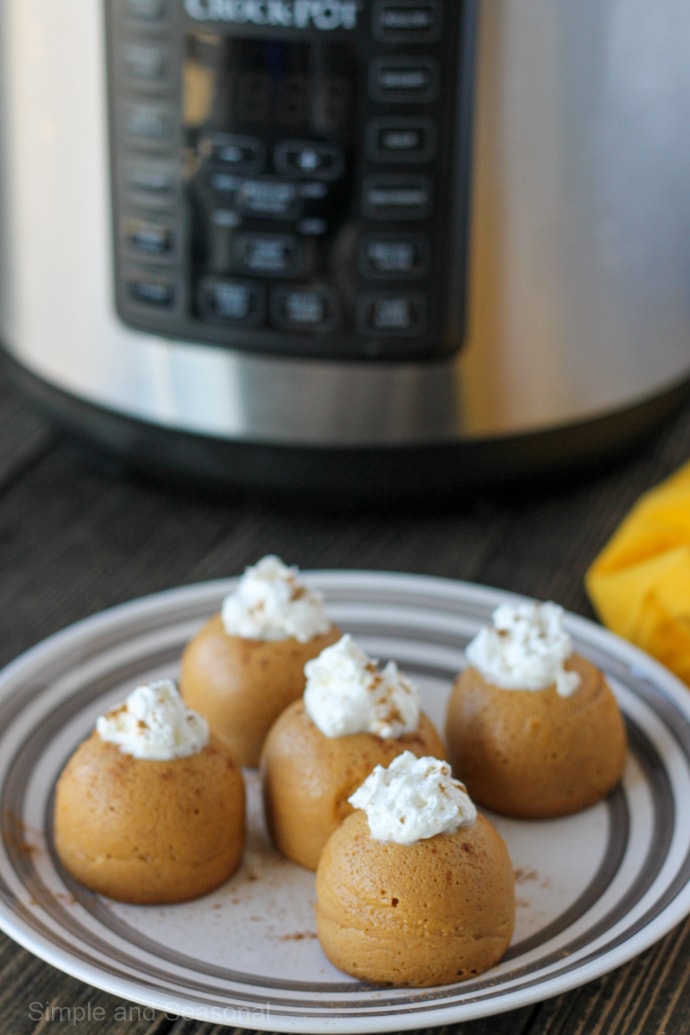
x: 593, y: 890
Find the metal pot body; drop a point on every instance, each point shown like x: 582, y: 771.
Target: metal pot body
x: 570, y: 246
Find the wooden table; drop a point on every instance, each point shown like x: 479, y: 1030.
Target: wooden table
x: 75, y: 539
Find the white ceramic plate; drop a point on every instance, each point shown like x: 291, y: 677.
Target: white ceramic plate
x: 593, y: 890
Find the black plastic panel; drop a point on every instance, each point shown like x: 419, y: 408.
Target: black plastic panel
x: 287, y: 189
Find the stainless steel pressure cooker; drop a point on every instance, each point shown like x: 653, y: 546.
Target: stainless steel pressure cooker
x: 372, y: 245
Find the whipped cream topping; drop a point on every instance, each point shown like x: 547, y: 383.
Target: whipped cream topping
x: 347, y: 693
x: 271, y: 603
x: 154, y: 723
x: 413, y: 799
x: 526, y: 649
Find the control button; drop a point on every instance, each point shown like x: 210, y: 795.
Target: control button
x: 269, y: 199
x: 150, y: 238
x: 403, y: 79
x: 261, y: 198
x: 147, y: 10
x: 220, y: 240
x: 313, y: 191
x: 246, y: 154
x: 227, y: 218
x: 151, y: 290
x: 309, y: 158
x: 146, y: 63
x: 406, y: 21
x: 312, y: 226
x: 277, y: 255
x: 148, y: 123
x: 389, y: 314
x: 401, y: 140
x: 397, y: 197
x: 224, y: 182
x: 304, y: 308
x: 394, y: 255
x: 238, y: 302
x: 154, y: 181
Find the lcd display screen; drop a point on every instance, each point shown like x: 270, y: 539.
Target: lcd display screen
x: 268, y: 87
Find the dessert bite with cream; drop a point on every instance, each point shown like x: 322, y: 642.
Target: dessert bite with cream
x: 415, y: 888
x: 150, y: 808
x: 352, y: 716
x: 533, y: 728
x: 246, y: 664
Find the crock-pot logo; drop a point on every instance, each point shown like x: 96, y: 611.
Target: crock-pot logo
x: 289, y: 14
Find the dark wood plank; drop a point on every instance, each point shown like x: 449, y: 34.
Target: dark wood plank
x: 24, y: 435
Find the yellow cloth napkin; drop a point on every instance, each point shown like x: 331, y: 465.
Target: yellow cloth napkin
x: 639, y: 584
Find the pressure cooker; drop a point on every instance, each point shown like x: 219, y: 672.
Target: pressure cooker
x: 369, y: 245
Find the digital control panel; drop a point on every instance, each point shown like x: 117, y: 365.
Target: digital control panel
x: 286, y: 173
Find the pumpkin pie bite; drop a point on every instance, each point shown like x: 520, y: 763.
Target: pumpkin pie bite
x: 150, y: 808
x: 415, y: 888
x: 352, y: 717
x: 246, y: 664
x: 533, y: 728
